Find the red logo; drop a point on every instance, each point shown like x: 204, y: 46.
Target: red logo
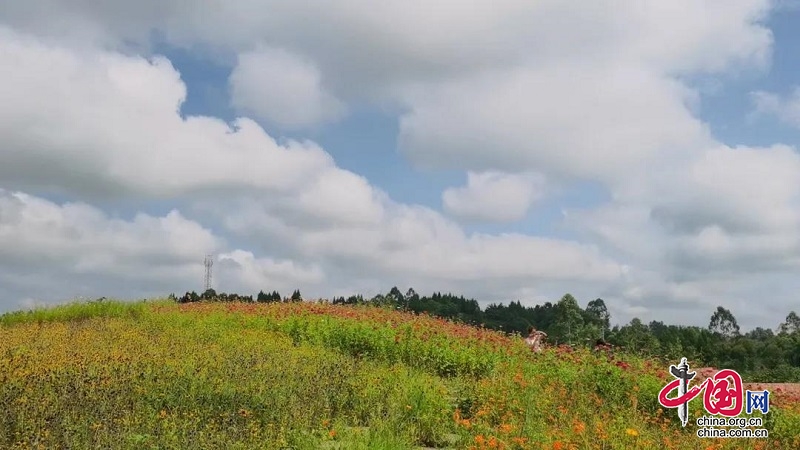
x: 723, y: 394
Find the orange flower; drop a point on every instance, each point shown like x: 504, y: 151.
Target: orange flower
x: 480, y: 440
x: 332, y: 433
x: 558, y: 445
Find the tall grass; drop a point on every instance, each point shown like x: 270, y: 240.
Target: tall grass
x: 76, y: 310
x: 306, y: 376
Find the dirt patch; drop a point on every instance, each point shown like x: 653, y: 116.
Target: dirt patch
x: 775, y: 388
x: 783, y: 391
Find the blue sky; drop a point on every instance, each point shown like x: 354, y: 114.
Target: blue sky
x: 645, y: 154
x: 365, y: 142
x: 727, y: 110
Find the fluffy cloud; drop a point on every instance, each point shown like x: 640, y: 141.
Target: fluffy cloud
x: 88, y: 240
x: 54, y: 252
x: 295, y: 196
x: 51, y: 251
x: 494, y: 196
x: 745, y: 190
x: 598, y: 93
x: 569, y: 121
x: 99, y: 123
x: 282, y: 89
x: 255, y: 274
x: 786, y: 109
x: 362, y: 49
x: 417, y: 243
x: 712, y: 233
x: 604, y: 107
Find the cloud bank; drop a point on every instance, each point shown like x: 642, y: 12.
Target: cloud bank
x: 520, y: 96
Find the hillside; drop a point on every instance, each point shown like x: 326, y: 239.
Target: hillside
x: 763, y: 355
x: 308, y: 375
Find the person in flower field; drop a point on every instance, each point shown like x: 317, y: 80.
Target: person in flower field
x: 535, y: 338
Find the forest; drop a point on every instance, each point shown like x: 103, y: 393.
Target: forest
x: 759, y: 355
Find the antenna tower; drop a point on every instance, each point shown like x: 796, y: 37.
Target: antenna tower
x: 208, y: 263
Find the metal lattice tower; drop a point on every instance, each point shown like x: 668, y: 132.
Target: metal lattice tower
x: 208, y: 263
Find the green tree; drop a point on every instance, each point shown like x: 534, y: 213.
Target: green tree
x: 635, y: 337
x: 569, y: 320
x: 597, y: 314
x: 397, y: 298
x: 723, y: 323
x: 760, y: 334
x: 791, y: 325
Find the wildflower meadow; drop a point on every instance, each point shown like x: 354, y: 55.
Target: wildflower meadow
x: 161, y: 375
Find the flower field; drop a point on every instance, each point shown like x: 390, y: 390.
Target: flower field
x: 319, y: 376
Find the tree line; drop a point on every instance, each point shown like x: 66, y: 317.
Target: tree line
x: 760, y: 355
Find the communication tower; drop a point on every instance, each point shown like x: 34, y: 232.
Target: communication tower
x: 208, y: 263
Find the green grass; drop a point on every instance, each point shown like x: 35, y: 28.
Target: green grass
x: 237, y: 376
x: 75, y: 311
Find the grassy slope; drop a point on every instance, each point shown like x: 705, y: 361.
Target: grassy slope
x: 162, y: 375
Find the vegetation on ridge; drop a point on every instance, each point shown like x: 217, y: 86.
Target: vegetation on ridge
x: 307, y: 375
x: 759, y: 355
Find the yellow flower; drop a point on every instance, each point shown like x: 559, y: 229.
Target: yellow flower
x: 631, y: 432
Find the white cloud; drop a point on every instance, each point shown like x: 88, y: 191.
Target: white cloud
x: 57, y: 251
x: 786, y: 109
x: 282, y: 89
x: 494, y: 196
x: 87, y: 240
x: 255, y: 274
x: 417, y: 243
x: 61, y: 244
x: 99, y: 123
x: 610, y: 99
x: 594, y: 93
x: 342, y: 197
x: 743, y: 189
x: 577, y: 121
x: 363, y: 50
x: 708, y: 234
x: 297, y: 198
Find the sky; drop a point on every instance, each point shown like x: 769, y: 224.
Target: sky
x: 643, y: 152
